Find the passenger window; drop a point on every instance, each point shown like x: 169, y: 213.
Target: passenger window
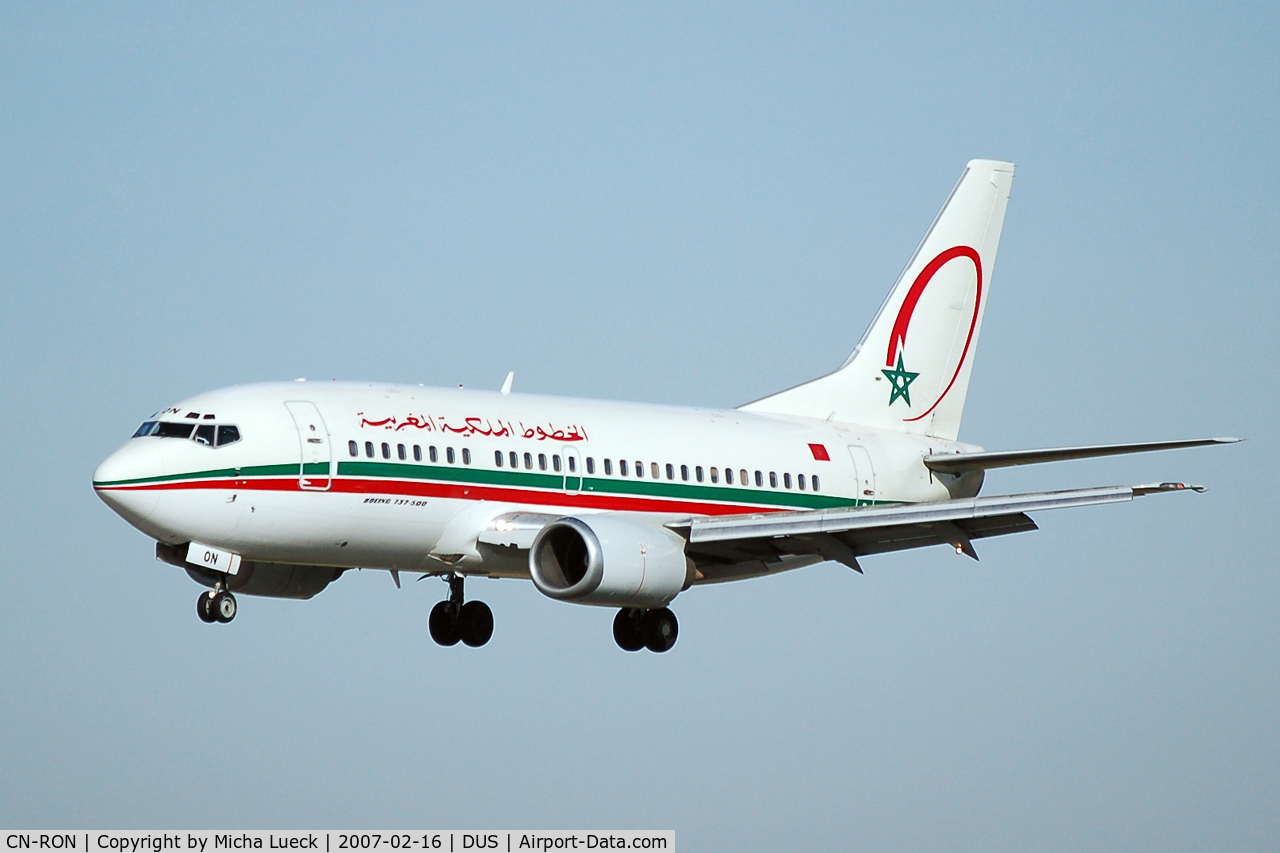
x: 466, y: 456
x: 368, y: 449
x: 555, y: 461
x: 591, y: 465
x: 400, y: 451
x: 728, y: 475
x: 608, y: 467
x: 622, y: 467
x: 542, y: 461
x: 698, y: 473
x: 497, y: 458
x: 653, y: 469
x: 786, y: 481
x: 684, y: 473
x: 417, y: 453
x: 229, y: 434
x: 573, y: 464
x: 386, y: 450
x: 715, y: 474
x: 773, y: 480
x: 759, y: 480
x: 671, y: 471
x: 815, y: 482
x: 432, y: 455
x: 147, y: 428
x: 800, y: 481
x: 448, y: 455
x: 354, y: 448
x: 742, y: 477
x: 171, y: 430
x: 528, y: 461
x: 204, y: 435
x: 515, y: 459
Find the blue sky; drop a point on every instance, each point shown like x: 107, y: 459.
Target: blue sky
x: 694, y: 204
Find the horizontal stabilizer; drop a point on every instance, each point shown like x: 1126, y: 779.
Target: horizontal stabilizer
x: 956, y: 463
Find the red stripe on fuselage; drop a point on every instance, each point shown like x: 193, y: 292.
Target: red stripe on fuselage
x: 467, y: 492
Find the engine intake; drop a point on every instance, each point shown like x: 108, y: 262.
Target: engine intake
x: 609, y: 561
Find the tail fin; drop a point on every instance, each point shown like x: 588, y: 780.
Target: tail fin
x: 910, y: 372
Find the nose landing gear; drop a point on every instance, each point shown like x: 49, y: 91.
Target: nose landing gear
x: 216, y: 605
x: 452, y: 620
x: 635, y: 629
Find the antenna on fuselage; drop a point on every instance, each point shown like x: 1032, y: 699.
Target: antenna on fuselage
x: 506, y: 383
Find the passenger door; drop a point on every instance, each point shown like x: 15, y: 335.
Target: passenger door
x: 863, y: 473
x: 313, y: 438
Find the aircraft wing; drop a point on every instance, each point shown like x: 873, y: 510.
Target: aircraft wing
x: 731, y: 547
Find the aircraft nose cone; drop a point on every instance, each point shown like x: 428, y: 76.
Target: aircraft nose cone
x: 112, y: 483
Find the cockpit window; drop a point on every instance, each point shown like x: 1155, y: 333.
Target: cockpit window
x: 228, y: 434
x: 165, y: 429
x: 210, y: 435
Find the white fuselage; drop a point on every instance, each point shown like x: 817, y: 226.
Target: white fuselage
x: 350, y: 474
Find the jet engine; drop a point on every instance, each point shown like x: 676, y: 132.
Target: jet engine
x: 609, y: 561
x: 270, y: 580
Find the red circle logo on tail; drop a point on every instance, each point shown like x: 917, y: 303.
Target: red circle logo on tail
x: 895, y: 371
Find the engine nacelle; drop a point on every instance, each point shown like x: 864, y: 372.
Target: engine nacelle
x: 609, y: 561
x: 270, y: 580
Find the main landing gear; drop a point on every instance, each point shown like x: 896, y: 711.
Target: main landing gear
x: 635, y: 629
x: 451, y: 620
x: 216, y: 605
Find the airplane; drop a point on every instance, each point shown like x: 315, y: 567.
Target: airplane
x: 277, y: 489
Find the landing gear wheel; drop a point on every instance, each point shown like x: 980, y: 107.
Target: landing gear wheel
x: 628, y: 631
x: 204, y: 608
x: 475, y: 623
x: 443, y: 623
x: 660, y: 630
x: 223, y: 606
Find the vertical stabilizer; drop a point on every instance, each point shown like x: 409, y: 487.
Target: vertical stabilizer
x: 910, y: 372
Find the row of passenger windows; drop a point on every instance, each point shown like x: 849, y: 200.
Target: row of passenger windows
x: 625, y: 467
x: 403, y: 453
x: 210, y: 435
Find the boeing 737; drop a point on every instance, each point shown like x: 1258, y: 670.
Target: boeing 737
x: 277, y: 489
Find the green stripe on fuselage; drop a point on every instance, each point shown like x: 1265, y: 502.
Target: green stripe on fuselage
x: 220, y: 474
x: 522, y: 480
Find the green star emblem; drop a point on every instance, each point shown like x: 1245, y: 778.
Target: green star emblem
x: 901, y: 380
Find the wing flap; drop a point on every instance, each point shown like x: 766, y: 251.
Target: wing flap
x: 861, y: 518
x: 727, y: 548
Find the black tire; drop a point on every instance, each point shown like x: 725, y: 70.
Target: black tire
x: 223, y: 606
x: 660, y: 630
x: 204, y: 608
x: 627, y: 630
x: 475, y: 623
x: 443, y: 623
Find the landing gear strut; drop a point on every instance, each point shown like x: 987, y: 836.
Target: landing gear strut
x: 216, y: 605
x: 452, y: 620
x: 635, y: 629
